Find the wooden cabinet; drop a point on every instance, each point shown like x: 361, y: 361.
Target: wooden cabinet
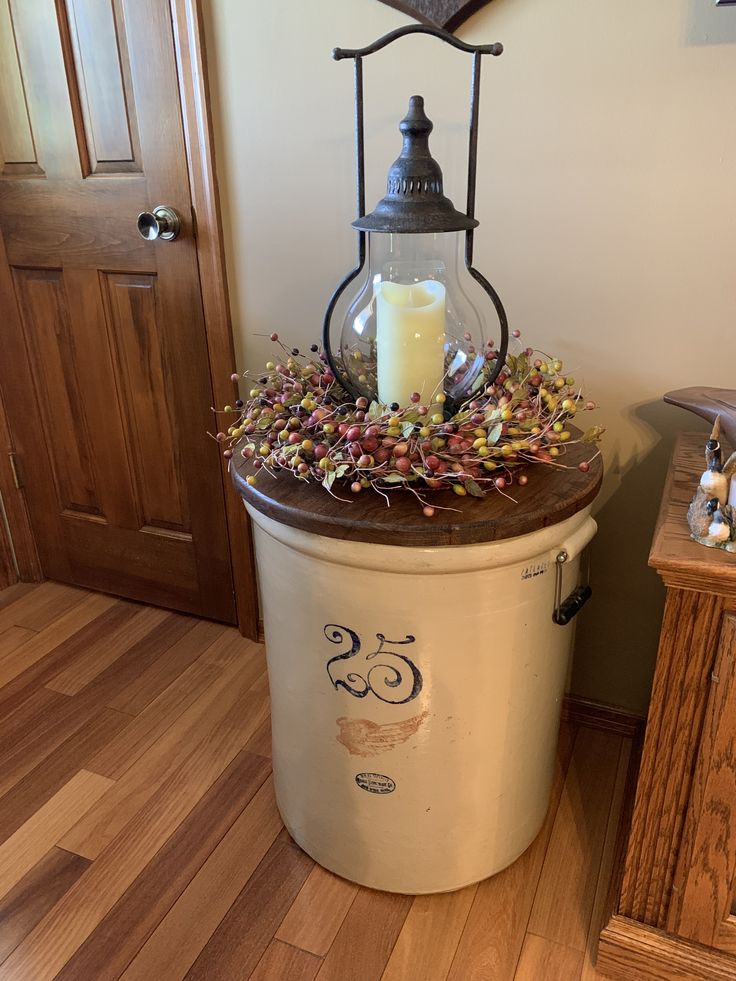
x: 674, y: 915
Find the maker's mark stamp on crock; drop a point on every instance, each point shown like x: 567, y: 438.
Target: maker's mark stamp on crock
x: 393, y: 678
x: 532, y: 571
x: 375, y: 783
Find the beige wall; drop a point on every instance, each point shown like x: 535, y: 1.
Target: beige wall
x: 607, y: 198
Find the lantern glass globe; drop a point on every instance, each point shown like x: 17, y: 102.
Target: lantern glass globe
x: 411, y: 327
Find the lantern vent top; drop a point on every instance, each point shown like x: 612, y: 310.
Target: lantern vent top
x: 415, y: 201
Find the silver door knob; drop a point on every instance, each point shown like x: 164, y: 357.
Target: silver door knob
x: 162, y: 222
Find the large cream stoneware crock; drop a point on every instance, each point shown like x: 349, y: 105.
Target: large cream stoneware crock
x: 416, y: 698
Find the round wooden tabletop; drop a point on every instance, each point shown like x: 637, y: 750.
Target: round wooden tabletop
x: 551, y: 495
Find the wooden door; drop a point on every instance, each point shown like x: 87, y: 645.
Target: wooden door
x: 103, y: 361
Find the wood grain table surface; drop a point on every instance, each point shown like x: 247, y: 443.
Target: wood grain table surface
x: 551, y: 495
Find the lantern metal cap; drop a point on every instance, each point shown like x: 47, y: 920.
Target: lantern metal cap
x: 415, y: 199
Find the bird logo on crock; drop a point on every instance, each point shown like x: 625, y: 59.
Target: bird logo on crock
x: 394, y: 678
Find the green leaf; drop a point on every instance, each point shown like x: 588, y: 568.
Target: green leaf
x: 494, y: 434
x: 593, y: 434
x: 394, y: 478
x: 407, y: 429
x: 329, y: 478
x: 473, y: 489
x: 518, y: 396
x: 522, y: 365
x: 375, y: 411
x: 342, y: 470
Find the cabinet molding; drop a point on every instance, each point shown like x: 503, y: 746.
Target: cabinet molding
x: 631, y: 950
x: 672, y: 914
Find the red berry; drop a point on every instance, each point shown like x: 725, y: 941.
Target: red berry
x: 516, y: 333
x: 365, y: 461
x: 351, y: 434
x: 584, y: 467
x: 235, y: 377
x: 403, y: 464
x: 432, y: 463
x: 523, y: 479
x: 500, y: 483
x: 320, y: 451
x: 274, y: 336
x: 355, y: 487
x: 428, y: 511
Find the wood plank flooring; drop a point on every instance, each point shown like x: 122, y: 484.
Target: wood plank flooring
x: 139, y: 835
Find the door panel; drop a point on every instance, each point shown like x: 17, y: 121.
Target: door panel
x: 47, y: 331
x: 16, y: 142
x: 102, y: 70
x: 145, y: 391
x: 104, y: 362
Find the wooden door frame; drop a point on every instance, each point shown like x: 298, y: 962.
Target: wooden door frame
x: 186, y: 17
x: 188, y: 34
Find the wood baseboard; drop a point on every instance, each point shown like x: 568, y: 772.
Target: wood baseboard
x: 629, y: 950
x: 599, y: 715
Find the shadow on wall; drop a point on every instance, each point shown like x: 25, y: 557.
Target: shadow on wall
x: 709, y: 24
x: 618, y: 633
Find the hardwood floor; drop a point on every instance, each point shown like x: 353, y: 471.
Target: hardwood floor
x: 139, y: 836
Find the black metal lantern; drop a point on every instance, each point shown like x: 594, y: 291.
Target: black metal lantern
x: 411, y: 328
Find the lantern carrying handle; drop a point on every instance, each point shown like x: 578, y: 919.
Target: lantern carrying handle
x: 357, y: 54
x: 492, y: 49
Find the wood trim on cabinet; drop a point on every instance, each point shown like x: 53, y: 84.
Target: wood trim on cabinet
x: 703, y: 885
x: 679, y: 694
x: 629, y: 950
x: 186, y: 18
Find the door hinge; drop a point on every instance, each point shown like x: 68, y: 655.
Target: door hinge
x: 17, y: 475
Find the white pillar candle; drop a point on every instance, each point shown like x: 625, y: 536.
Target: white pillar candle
x: 410, y: 340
